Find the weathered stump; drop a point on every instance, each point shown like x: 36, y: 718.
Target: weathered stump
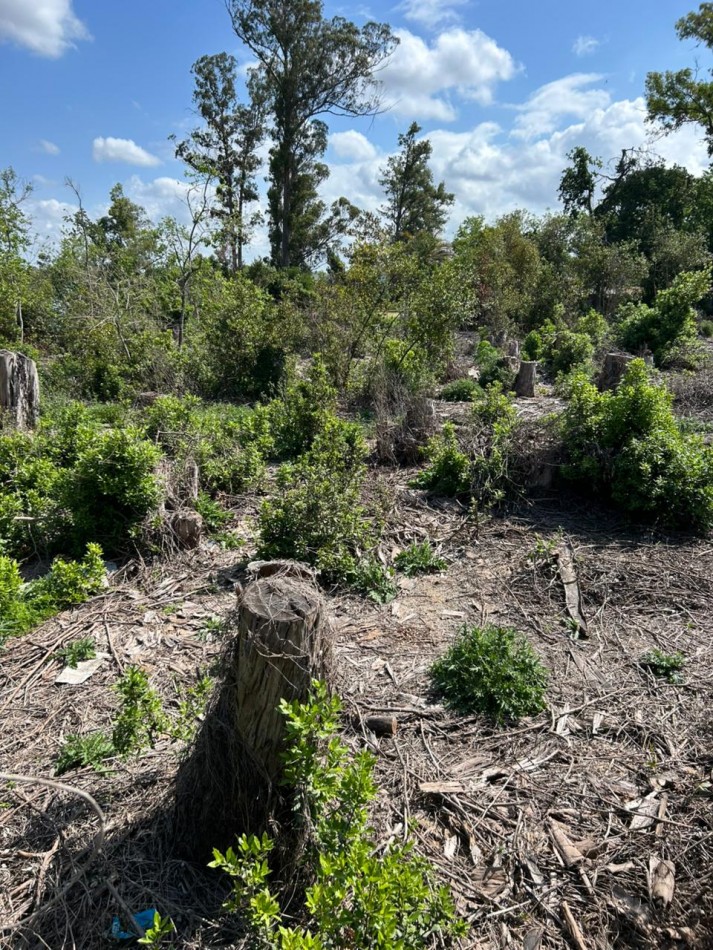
x: 613, y: 370
x: 230, y: 784
x: 526, y: 379
x: 19, y: 389
x: 187, y: 528
x: 512, y: 348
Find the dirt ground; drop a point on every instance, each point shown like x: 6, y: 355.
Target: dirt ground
x: 556, y: 833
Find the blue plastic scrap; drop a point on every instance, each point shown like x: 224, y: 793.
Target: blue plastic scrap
x: 144, y: 920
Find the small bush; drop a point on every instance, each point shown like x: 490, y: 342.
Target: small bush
x: 77, y: 651
x: 628, y: 445
x: 491, y: 670
x: 419, y: 559
x: 78, y: 751
x: 706, y: 328
x: 667, y: 666
x: 356, y: 894
x: 317, y: 515
x: 460, y: 390
x: 493, y: 367
x: 304, y: 411
x: 448, y: 471
x: 375, y: 580
x: 141, y: 718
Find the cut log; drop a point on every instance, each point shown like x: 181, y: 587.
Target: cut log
x: 381, y: 725
x: 526, y: 379
x: 572, y: 593
x: 231, y: 783
x: 615, y: 365
x: 19, y: 389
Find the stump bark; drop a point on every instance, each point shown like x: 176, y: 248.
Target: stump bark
x: 615, y: 365
x: 19, y: 389
x: 231, y: 782
x: 526, y: 379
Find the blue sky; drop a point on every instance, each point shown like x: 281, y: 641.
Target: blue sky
x: 502, y: 88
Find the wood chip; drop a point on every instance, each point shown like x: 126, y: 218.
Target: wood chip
x: 661, y: 880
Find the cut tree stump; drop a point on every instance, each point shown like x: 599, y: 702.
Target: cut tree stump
x: 19, y: 389
x: 526, y: 379
x: 615, y: 365
x: 230, y: 784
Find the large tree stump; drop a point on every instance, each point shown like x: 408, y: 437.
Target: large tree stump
x: 231, y: 782
x: 526, y: 379
x: 19, y: 389
x: 613, y: 370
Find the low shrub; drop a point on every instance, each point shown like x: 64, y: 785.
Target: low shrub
x: 448, y: 470
x: 141, y: 718
x: 68, y: 583
x: 460, y: 390
x: 316, y: 515
x: 628, y: 445
x: 79, y: 751
x: 306, y: 408
x: 419, y: 558
x: 493, y: 367
x: 667, y: 666
x: 356, y: 894
x: 77, y: 651
x: 706, y: 328
x: 491, y: 670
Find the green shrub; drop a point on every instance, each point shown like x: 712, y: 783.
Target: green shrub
x: 667, y: 666
x: 112, y: 486
x: 24, y: 605
x: 372, y: 578
x: 491, y: 670
x: 460, y: 390
x: 628, y: 445
x: 141, y: 718
x: 670, y: 323
x: 307, y: 406
x: 569, y: 350
x: 77, y: 651
x: 317, y: 515
x: 78, y: 751
x: 214, y: 515
x: 706, y: 328
x: 419, y: 558
x: 356, y: 894
x: 493, y: 367
x: 448, y: 471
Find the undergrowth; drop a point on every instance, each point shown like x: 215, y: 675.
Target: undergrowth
x: 357, y: 893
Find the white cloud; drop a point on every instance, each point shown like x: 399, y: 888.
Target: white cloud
x: 420, y: 79
x: 585, y: 45
x: 48, y: 218
x: 568, y: 97
x: 49, y: 148
x: 122, y: 150
x: 492, y: 172
x: 352, y: 145
x: 47, y: 27
x: 430, y: 12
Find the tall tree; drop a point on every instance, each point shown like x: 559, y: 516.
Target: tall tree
x: 579, y: 182
x: 414, y: 204
x: 675, y: 99
x: 226, y: 149
x: 308, y: 66
x: 14, y: 242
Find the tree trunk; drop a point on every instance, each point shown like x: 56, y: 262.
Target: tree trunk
x: 526, y: 379
x: 231, y: 783
x: 615, y: 365
x: 19, y: 389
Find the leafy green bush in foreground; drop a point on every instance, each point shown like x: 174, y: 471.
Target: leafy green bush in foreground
x: 358, y: 895
x: 491, y: 670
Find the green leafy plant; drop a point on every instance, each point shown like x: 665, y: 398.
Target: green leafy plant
x: 419, y: 558
x: 356, y: 894
x: 141, y: 717
x: 190, y: 709
x: 629, y: 445
x: 161, y: 927
x: 77, y: 651
x: 213, y: 514
x: 374, y: 579
x: 79, y: 751
x: 491, y: 670
x: 706, y: 328
x: 666, y: 666
x: 448, y: 471
x: 316, y: 515
x: 460, y: 390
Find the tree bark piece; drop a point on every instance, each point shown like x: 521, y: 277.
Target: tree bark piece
x: 381, y: 725
x: 615, y: 365
x: 19, y: 389
x: 526, y: 379
x: 570, y: 582
x: 231, y: 783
